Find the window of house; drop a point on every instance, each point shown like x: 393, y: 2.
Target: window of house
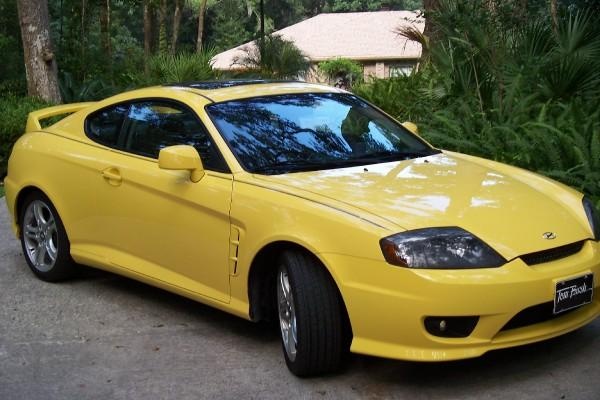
x: 401, y: 69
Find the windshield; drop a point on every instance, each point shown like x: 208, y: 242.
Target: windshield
x: 304, y: 132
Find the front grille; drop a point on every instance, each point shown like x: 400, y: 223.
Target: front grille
x: 544, y: 256
x: 535, y: 315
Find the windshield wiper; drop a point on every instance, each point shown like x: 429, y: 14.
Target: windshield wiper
x: 286, y: 166
x: 282, y: 167
x: 386, y: 156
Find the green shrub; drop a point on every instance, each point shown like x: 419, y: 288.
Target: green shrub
x: 274, y: 57
x: 13, y: 117
x: 342, y: 68
x: 72, y: 91
x: 508, y: 88
x: 182, y: 67
x: 406, y: 98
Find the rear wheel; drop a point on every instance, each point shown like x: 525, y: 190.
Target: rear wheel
x: 309, y: 316
x: 44, y: 240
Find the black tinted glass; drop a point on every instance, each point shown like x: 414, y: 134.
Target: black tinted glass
x: 301, y: 132
x: 153, y: 125
x: 104, y: 126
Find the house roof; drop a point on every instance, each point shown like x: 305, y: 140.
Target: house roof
x: 357, y: 36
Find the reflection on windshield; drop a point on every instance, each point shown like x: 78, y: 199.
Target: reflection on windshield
x: 301, y: 132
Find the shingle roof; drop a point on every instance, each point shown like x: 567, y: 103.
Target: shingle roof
x: 358, y: 36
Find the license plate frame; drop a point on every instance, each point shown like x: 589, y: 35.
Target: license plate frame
x: 573, y: 293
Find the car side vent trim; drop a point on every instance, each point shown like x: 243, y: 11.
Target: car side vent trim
x: 234, y: 245
x: 556, y: 253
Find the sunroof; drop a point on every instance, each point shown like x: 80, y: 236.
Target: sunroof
x: 208, y: 85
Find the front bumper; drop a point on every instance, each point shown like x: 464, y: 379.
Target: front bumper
x: 387, y: 305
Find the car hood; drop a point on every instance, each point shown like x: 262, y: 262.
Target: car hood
x: 508, y: 208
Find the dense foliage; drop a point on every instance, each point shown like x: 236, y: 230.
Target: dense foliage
x: 13, y: 116
x: 516, y: 81
x: 274, y: 57
x: 99, y: 56
x: 511, y: 87
x: 344, y: 69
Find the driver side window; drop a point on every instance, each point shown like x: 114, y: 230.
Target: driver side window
x: 146, y: 127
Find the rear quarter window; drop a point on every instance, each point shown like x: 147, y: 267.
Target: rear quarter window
x: 104, y: 126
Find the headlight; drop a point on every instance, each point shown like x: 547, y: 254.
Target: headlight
x: 593, y: 217
x: 439, y: 248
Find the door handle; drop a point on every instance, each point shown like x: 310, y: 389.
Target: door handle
x: 112, y: 175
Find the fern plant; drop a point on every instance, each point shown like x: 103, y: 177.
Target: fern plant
x: 507, y: 86
x: 182, y: 67
x: 274, y: 57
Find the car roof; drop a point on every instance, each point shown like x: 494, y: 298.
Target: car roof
x: 218, y: 91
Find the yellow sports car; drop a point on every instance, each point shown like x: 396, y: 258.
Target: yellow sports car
x: 305, y: 203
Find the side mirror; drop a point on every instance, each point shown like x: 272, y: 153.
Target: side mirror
x: 182, y: 158
x: 411, y: 126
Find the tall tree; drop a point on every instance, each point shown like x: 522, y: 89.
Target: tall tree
x: 83, y: 38
x: 201, y: 16
x: 430, y: 32
x: 147, y: 34
x: 554, y: 14
x: 40, y: 64
x: 176, y: 25
x: 162, y: 27
x: 105, y: 29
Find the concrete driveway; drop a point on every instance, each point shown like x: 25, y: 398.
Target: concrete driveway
x: 103, y: 337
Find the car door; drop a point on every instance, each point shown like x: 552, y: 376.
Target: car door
x: 156, y: 223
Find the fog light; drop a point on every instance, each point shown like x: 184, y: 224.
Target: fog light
x: 442, y: 325
x: 451, y: 327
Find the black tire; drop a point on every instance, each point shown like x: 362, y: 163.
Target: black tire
x: 319, y: 346
x: 44, y: 241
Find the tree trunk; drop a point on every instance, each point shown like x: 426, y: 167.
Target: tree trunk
x: 105, y: 35
x: 147, y: 35
x: 176, y: 24
x: 201, y: 15
x: 430, y: 6
x: 430, y: 32
x: 262, y: 20
x: 83, y: 40
x: 40, y: 64
x: 162, y: 27
x: 554, y: 14
x: 105, y: 31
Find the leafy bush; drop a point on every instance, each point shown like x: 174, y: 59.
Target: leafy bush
x: 406, y: 98
x: 342, y: 68
x: 182, y: 67
x: 274, y: 57
x: 559, y: 140
x: 91, y: 90
x: 13, y: 117
x: 508, y: 87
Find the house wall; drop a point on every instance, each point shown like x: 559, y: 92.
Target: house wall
x: 384, y: 68
x: 378, y: 69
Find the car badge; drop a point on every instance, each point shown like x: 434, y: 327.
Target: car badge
x: 549, y: 235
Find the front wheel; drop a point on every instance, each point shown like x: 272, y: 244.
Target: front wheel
x: 44, y: 240
x: 309, y: 316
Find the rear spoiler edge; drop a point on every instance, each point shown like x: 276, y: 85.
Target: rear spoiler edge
x: 34, y: 118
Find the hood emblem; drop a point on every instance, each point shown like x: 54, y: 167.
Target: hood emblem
x: 549, y: 235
